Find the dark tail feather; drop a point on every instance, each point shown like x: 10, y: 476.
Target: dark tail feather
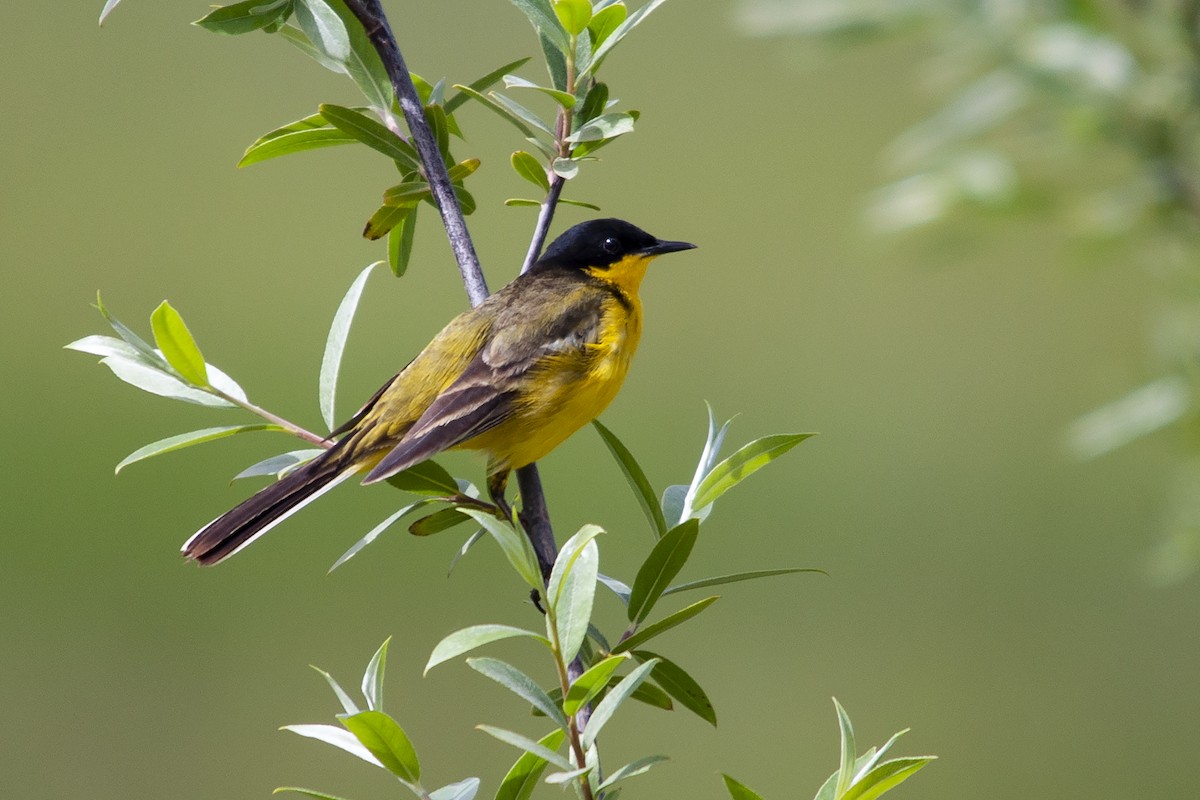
x: 241, y: 525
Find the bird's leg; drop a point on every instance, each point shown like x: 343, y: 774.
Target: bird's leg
x: 497, y: 482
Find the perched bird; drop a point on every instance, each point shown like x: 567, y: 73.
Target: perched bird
x: 512, y: 377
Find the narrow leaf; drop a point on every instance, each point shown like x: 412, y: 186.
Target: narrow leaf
x: 523, y: 202
x: 406, y: 193
x: 519, y: 782
x: 744, y: 463
x: 885, y: 777
x: 483, y: 84
x: 708, y: 457
x: 278, y: 465
x: 307, y: 792
x: 372, y: 682
x: 681, y: 686
x: 519, y: 684
x: 467, y: 639
x: 739, y: 791
x: 605, y: 21
x: 615, y: 586
x: 335, y: 736
x: 372, y: 133
x: 590, y: 683
x: 427, y: 478
x: 544, y: 21
x: 665, y: 561
x: 375, y: 532
x: 244, y: 17
x: 571, y: 589
x: 515, y: 546
x: 639, y: 767
x: 633, y: 472
x: 463, y: 790
x: 612, y: 701
x: 348, y: 704
x: 471, y: 541
x: 522, y: 113
x: 172, y: 443
x: 605, y: 126
x: 528, y: 745
x: 614, y: 38
x: 437, y: 522
x: 105, y: 346
x: 324, y: 28
x: 335, y: 346
x: 530, y: 169
x: 739, y: 576
x: 488, y: 102
x: 400, y: 243
x: 665, y: 624
x: 567, y: 202
x: 564, y: 99
x: 848, y: 754
x: 177, y: 345
x: 562, y: 778
x: 154, y: 380
x: 386, y: 219
x: 385, y: 740
x: 269, y: 146
x: 651, y: 695
x: 109, y: 5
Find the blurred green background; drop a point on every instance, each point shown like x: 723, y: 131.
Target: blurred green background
x: 985, y: 589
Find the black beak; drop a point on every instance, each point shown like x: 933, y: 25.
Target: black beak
x: 660, y: 247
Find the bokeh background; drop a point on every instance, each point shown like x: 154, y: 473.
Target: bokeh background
x: 985, y: 588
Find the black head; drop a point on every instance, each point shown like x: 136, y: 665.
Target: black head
x: 602, y: 242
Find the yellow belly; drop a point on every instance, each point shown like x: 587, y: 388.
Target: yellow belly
x: 569, y: 391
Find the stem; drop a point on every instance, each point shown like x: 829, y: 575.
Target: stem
x: 566, y: 674
x: 290, y: 427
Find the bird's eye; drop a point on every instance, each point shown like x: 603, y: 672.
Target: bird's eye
x: 611, y: 245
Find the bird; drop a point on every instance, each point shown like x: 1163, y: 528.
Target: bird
x: 512, y: 377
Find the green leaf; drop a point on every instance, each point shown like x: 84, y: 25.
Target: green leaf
x: 373, y: 134
x: 385, y: 740
x: 744, y: 463
x: 375, y: 532
x: 156, y: 381
x: 665, y: 624
x: 605, y: 21
x: 324, y: 29
x: 348, y: 704
x: 278, y: 465
x: 528, y: 745
x: 146, y: 352
x: 848, y: 751
x: 514, y: 545
x: 109, y: 5
x: 467, y: 639
x: 483, y: 83
x: 531, y: 170
x: 463, y: 790
x: 435, y: 116
x: 665, y: 561
x: 275, y: 144
x: 386, y: 219
x: 556, y: 63
x: 489, y: 103
x: 427, y: 478
x: 251, y: 15
x: 594, y: 103
x: 612, y: 701
x: 406, y: 193
x: 572, y: 589
x: 463, y: 169
x: 633, y: 472
x: 565, y: 168
x: 713, y: 442
x: 579, y: 203
x: 563, y: 778
x: 614, y: 38
x: 372, y: 682
x: 361, y: 64
x: 177, y: 345
x: 106, y: 346
x: 522, y: 202
x: 523, y: 777
x: 605, y: 126
x: 308, y: 792
x: 335, y: 346
x: 885, y: 777
x: 470, y: 542
x: 545, y: 22
x: 172, y: 443
x: 739, y: 576
x: 739, y: 791
x: 680, y: 685
x: 466, y: 200
x: 519, y: 684
x: 573, y: 14
x: 590, y: 684
x: 615, y: 586
x: 639, y: 767
x: 400, y: 243
x: 331, y: 734
x: 564, y: 99
x: 651, y: 695
x: 522, y: 113
x: 438, y: 521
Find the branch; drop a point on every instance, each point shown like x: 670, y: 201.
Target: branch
x: 370, y: 15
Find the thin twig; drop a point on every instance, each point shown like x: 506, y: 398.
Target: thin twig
x: 290, y: 427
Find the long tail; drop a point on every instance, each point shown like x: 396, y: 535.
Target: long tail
x: 244, y: 523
